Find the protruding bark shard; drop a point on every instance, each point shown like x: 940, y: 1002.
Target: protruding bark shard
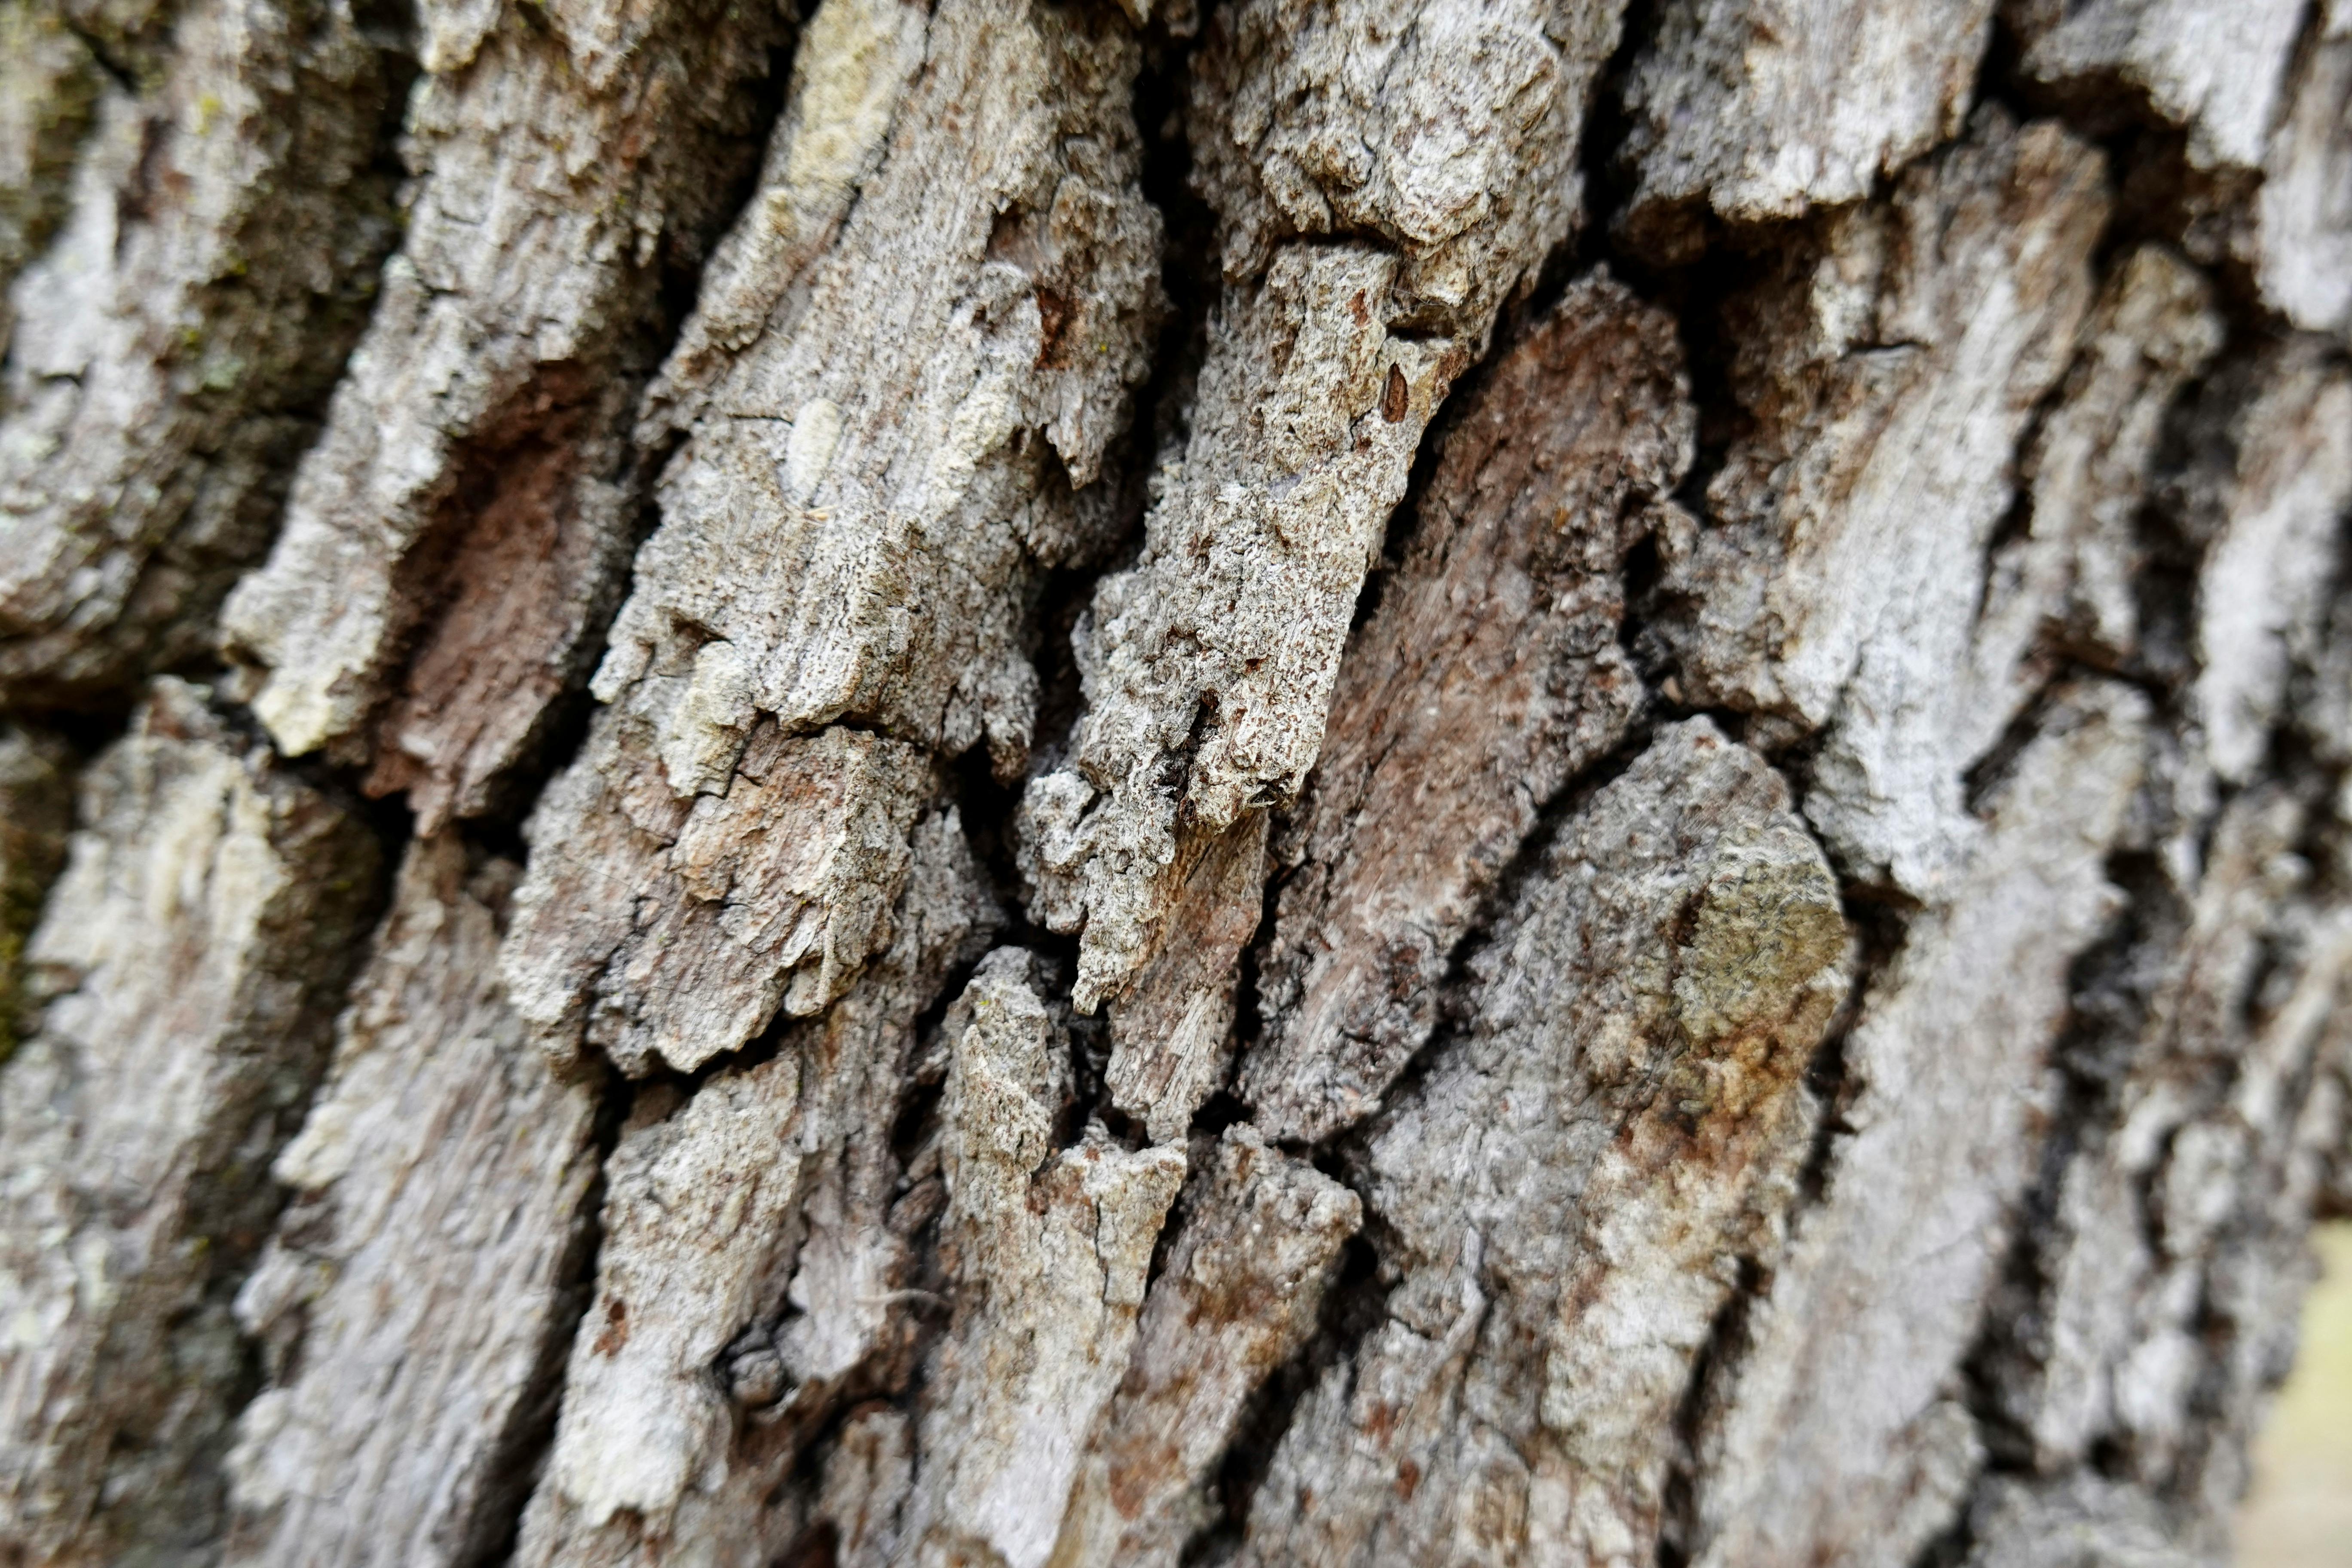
x: 1890, y: 374
x: 1238, y: 1297
x: 1761, y: 110
x: 1570, y: 1185
x: 1047, y: 1251
x: 858, y: 522
x: 1169, y: 1036
x: 1384, y: 178
x: 2217, y: 71
x: 455, y: 540
x: 1919, y: 1191
x: 419, y: 1282
x: 2301, y: 227
x: 194, y: 307
x: 2272, y: 484
x: 1490, y: 675
x: 668, y: 930
x: 191, y: 959
x: 758, y: 1238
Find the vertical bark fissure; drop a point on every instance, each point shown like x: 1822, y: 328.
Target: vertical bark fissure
x: 939, y: 713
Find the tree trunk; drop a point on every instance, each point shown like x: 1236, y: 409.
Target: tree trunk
x: 1288, y: 783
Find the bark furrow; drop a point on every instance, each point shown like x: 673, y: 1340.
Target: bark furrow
x: 1395, y: 782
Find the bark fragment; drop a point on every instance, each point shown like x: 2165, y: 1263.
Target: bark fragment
x: 190, y: 964
x: 2266, y: 499
x: 2216, y: 71
x: 1170, y: 1035
x: 1761, y: 110
x: 1047, y: 1251
x: 2069, y: 586
x: 2020, y: 1525
x: 453, y: 542
x: 2302, y: 215
x: 1238, y: 1297
x: 1490, y: 675
x: 1569, y: 1186
x: 1890, y: 374
x: 1795, y: 1468
x: 699, y: 1204
x: 1382, y: 178
x: 858, y: 522
x: 172, y: 340
x: 671, y: 929
x: 756, y: 1270
x: 48, y: 85
x: 861, y: 557
x: 417, y: 1283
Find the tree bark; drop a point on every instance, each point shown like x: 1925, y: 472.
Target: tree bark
x: 1042, y: 785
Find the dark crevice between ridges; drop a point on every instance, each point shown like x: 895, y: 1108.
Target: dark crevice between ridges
x: 988, y: 805
x: 1191, y: 279
x: 1223, y: 1109
x: 519, y: 1454
x: 2110, y: 988
x: 1603, y: 151
x: 1726, y: 1340
x: 2112, y: 984
x: 1880, y: 931
x: 1354, y: 1305
x: 519, y: 1448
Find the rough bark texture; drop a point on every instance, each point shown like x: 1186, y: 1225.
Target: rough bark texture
x: 1365, y: 782
x: 222, y: 223
x: 428, y: 1255
x: 189, y: 965
x: 456, y: 536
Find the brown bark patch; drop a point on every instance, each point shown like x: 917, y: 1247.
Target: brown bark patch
x: 492, y: 591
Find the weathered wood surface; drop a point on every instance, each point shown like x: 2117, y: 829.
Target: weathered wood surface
x: 188, y: 967
x: 937, y: 301
x: 1489, y: 676
x: 429, y: 1256
x: 1757, y: 111
x: 1459, y: 783
x: 456, y: 537
x: 221, y: 224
